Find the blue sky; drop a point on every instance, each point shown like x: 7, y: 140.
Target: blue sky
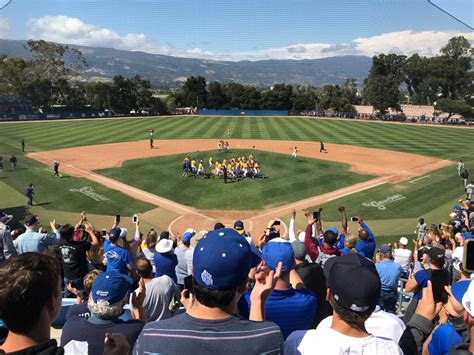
x: 240, y: 29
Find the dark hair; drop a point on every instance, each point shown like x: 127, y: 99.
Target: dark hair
x: 144, y: 268
x: 439, y: 263
x: 29, y: 281
x: 213, y: 298
x: 218, y: 225
x: 354, y: 319
x: 67, y: 232
x: 330, y: 237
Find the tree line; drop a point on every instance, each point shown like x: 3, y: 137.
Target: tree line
x: 51, y: 80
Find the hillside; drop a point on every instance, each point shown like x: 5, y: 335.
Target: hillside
x: 162, y: 70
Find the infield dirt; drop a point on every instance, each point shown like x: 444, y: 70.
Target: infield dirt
x: 390, y: 166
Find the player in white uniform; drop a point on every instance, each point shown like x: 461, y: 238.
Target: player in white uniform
x: 460, y: 167
x: 295, y: 152
x: 421, y: 229
x: 469, y: 190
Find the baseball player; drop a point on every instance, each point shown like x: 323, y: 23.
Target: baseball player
x: 464, y: 177
x: 152, y: 132
x: 30, y: 193
x: 469, y: 190
x: 421, y: 229
x: 1, y: 163
x: 56, y: 168
x: 321, y: 148
x: 295, y: 152
x: 460, y: 167
x: 13, y: 161
x: 23, y: 145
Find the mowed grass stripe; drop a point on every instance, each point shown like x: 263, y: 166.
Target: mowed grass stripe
x: 183, y: 129
x: 218, y: 129
x: 292, y: 132
x: 269, y: 127
x: 303, y: 130
x: 425, y: 140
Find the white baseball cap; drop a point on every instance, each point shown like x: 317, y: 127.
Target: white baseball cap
x: 468, y: 300
x: 403, y: 241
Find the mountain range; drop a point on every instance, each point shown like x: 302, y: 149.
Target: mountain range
x: 169, y: 71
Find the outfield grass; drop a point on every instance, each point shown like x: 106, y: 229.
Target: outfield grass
x: 446, y: 143
x: 429, y: 197
x: 52, y: 193
x: 286, y: 180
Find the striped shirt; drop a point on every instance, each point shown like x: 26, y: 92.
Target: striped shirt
x: 184, y: 334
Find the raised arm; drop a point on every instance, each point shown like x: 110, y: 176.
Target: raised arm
x: 91, y: 232
x: 319, y: 223
x: 311, y: 243
x: 264, y: 284
x: 371, y: 237
x: 342, y: 209
x: 291, y: 227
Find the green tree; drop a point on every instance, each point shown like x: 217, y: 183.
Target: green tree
x: 13, y: 75
x: 216, y: 97
x: 453, y: 107
x: 454, y: 67
x: 278, y: 98
x: 194, y: 92
x: 382, y: 86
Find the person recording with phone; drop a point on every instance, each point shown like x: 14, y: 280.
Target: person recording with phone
x: 435, y: 273
x: 366, y: 242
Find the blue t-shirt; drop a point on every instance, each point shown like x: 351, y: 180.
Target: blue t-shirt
x: 165, y: 264
x: 367, y: 246
x: 389, y: 272
x: 444, y: 339
x: 340, y: 242
x: 421, y: 277
x: 117, y: 259
x: 291, y: 309
x: 345, y: 251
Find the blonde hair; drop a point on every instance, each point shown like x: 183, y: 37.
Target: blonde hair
x: 350, y: 243
x: 151, y: 239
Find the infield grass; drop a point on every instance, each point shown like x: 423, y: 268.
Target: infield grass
x: 287, y: 180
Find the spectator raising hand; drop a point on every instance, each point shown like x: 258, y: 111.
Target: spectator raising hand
x: 265, y: 282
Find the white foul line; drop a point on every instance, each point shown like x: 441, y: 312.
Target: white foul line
x: 417, y: 179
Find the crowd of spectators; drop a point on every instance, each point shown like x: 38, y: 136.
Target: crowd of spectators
x: 321, y: 290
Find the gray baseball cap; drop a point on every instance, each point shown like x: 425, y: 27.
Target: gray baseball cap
x: 299, y: 250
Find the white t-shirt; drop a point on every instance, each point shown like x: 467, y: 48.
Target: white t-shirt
x: 403, y: 257
x: 330, y: 342
x: 457, y: 257
x: 380, y: 324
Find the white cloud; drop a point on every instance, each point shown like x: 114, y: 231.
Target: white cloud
x: 427, y: 43
x: 4, y: 27
x: 70, y: 30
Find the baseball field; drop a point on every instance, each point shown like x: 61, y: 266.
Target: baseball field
x: 390, y: 174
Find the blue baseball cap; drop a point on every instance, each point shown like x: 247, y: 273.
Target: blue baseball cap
x: 223, y: 259
x: 385, y: 249
x: 459, y: 288
x: 334, y: 230
x: 186, y: 238
x: 277, y: 250
x: 457, y: 208
x: 111, y: 286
